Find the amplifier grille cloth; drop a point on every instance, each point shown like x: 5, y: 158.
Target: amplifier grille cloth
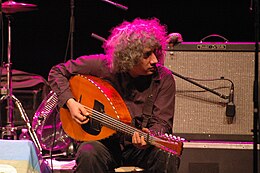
x: 199, y: 111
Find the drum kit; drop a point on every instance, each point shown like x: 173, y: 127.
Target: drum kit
x: 45, y: 130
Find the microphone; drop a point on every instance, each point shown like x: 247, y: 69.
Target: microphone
x: 231, y: 107
x: 173, y: 39
x: 98, y: 37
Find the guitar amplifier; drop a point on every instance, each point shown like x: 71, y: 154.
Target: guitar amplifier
x: 206, y: 75
x: 217, y: 157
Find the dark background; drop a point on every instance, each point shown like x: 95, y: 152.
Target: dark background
x: 39, y: 38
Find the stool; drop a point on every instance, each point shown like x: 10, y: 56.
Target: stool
x: 67, y: 167
x: 129, y: 169
x: 61, y: 166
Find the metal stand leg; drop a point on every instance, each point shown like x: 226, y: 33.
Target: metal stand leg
x: 9, y: 131
x: 27, y: 121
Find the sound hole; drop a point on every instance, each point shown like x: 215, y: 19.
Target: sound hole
x: 93, y: 127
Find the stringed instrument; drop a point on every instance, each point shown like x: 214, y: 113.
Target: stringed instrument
x: 109, y: 114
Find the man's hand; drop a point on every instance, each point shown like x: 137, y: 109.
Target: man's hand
x: 78, y: 111
x: 138, y: 141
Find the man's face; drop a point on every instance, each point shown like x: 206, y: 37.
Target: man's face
x: 147, y: 65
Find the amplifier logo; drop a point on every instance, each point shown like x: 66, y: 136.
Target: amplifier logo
x: 211, y: 46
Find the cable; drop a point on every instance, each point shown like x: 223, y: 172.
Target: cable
x: 53, y: 142
x: 230, y: 105
x: 214, y: 79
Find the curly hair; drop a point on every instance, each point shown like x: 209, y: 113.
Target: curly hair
x: 127, y: 42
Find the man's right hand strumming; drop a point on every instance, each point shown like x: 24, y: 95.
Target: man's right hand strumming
x: 78, y: 111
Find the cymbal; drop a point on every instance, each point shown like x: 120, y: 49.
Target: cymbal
x: 10, y: 7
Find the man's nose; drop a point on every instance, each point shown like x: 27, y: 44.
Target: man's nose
x: 153, y: 59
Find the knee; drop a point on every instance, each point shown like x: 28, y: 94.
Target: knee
x: 93, y: 156
x: 163, y: 161
x: 88, y: 149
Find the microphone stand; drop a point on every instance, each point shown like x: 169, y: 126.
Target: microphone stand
x: 70, y: 41
x: 1, y: 63
x: 201, y: 86
x: 1, y: 15
x: 72, y: 6
x: 256, y: 123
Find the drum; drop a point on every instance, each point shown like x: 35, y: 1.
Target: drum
x: 47, y: 125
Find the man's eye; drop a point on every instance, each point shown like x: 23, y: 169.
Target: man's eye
x: 147, y: 54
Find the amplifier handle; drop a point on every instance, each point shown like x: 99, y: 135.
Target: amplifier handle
x: 214, y: 35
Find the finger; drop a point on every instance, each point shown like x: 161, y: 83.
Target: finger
x: 85, y: 121
x: 81, y: 117
x: 133, y: 139
x: 85, y: 112
x: 77, y: 120
x: 137, y: 137
x: 143, y: 141
x: 145, y: 130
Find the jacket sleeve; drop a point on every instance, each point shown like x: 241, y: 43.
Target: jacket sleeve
x: 60, y: 74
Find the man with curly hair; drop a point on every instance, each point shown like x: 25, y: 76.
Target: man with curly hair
x: 134, y: 54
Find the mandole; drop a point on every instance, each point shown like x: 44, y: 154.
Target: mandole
x: 108, y: 115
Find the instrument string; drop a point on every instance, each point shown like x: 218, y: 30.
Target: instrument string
x: 115, y: 123
x: 118, y: 125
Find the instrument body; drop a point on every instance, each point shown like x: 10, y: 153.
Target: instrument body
x: 109, y: 114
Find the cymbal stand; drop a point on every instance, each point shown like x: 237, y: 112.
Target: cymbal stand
x: 9, y: 131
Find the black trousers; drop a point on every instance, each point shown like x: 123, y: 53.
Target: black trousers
x: 104, y: 156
